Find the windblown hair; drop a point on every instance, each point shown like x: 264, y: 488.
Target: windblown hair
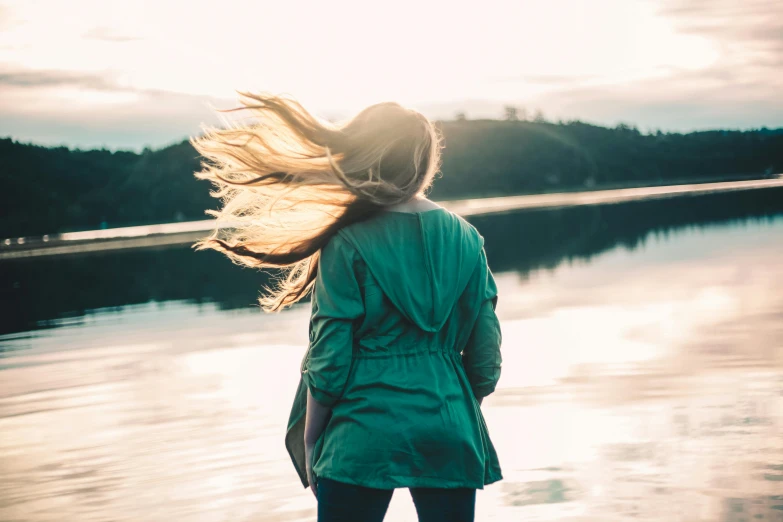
x: 290, y: 181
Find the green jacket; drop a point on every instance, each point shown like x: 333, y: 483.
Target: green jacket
x: 403, y: 339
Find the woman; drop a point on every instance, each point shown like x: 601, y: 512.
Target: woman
x: 404, y: 340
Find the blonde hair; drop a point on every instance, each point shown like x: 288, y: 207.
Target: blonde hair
x: 290, y: 181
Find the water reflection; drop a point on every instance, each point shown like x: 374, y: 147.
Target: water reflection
x: 44, y: 292
x: 646, y: 383
x: 653, y: 383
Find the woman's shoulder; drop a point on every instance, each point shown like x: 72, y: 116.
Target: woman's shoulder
x: 338, y: 245
x: 451, y: 222
x: 395, y: 226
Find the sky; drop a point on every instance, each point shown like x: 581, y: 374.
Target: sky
x: 129, y: 74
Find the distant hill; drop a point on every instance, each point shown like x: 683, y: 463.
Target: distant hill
x: 48, y: 190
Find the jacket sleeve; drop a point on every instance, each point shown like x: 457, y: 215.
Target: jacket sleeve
x: 481, y: 355
x: 336, y: 306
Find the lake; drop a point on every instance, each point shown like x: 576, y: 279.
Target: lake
x: 642, y: 375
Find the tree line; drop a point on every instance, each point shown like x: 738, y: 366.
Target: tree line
x: 57, y: 189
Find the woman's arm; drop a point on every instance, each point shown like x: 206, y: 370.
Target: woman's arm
x: 317, y: 415
x: 337, y: 306
x: 481, y: 356
x: 315, y: 422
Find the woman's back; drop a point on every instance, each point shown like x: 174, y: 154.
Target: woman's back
x: 403, y: 339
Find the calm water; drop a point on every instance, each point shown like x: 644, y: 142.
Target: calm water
x: 642, y: 378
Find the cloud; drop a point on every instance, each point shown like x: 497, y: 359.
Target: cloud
x: 36, y: 106
x: 547, y: 79
x: 751, y: 30
x: 40, y: 79
x: 108, y: 35
x: 7, y: 18
x: 668, y: 113
x: 750, y: 19
x: 53, y: 78
x: 740, y: 88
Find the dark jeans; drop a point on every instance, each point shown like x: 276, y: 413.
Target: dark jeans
x: 340, y: 502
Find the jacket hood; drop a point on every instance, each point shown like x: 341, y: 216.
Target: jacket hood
x: 422, y: 261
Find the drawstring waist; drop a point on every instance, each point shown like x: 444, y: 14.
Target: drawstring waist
x: 364, y: 354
